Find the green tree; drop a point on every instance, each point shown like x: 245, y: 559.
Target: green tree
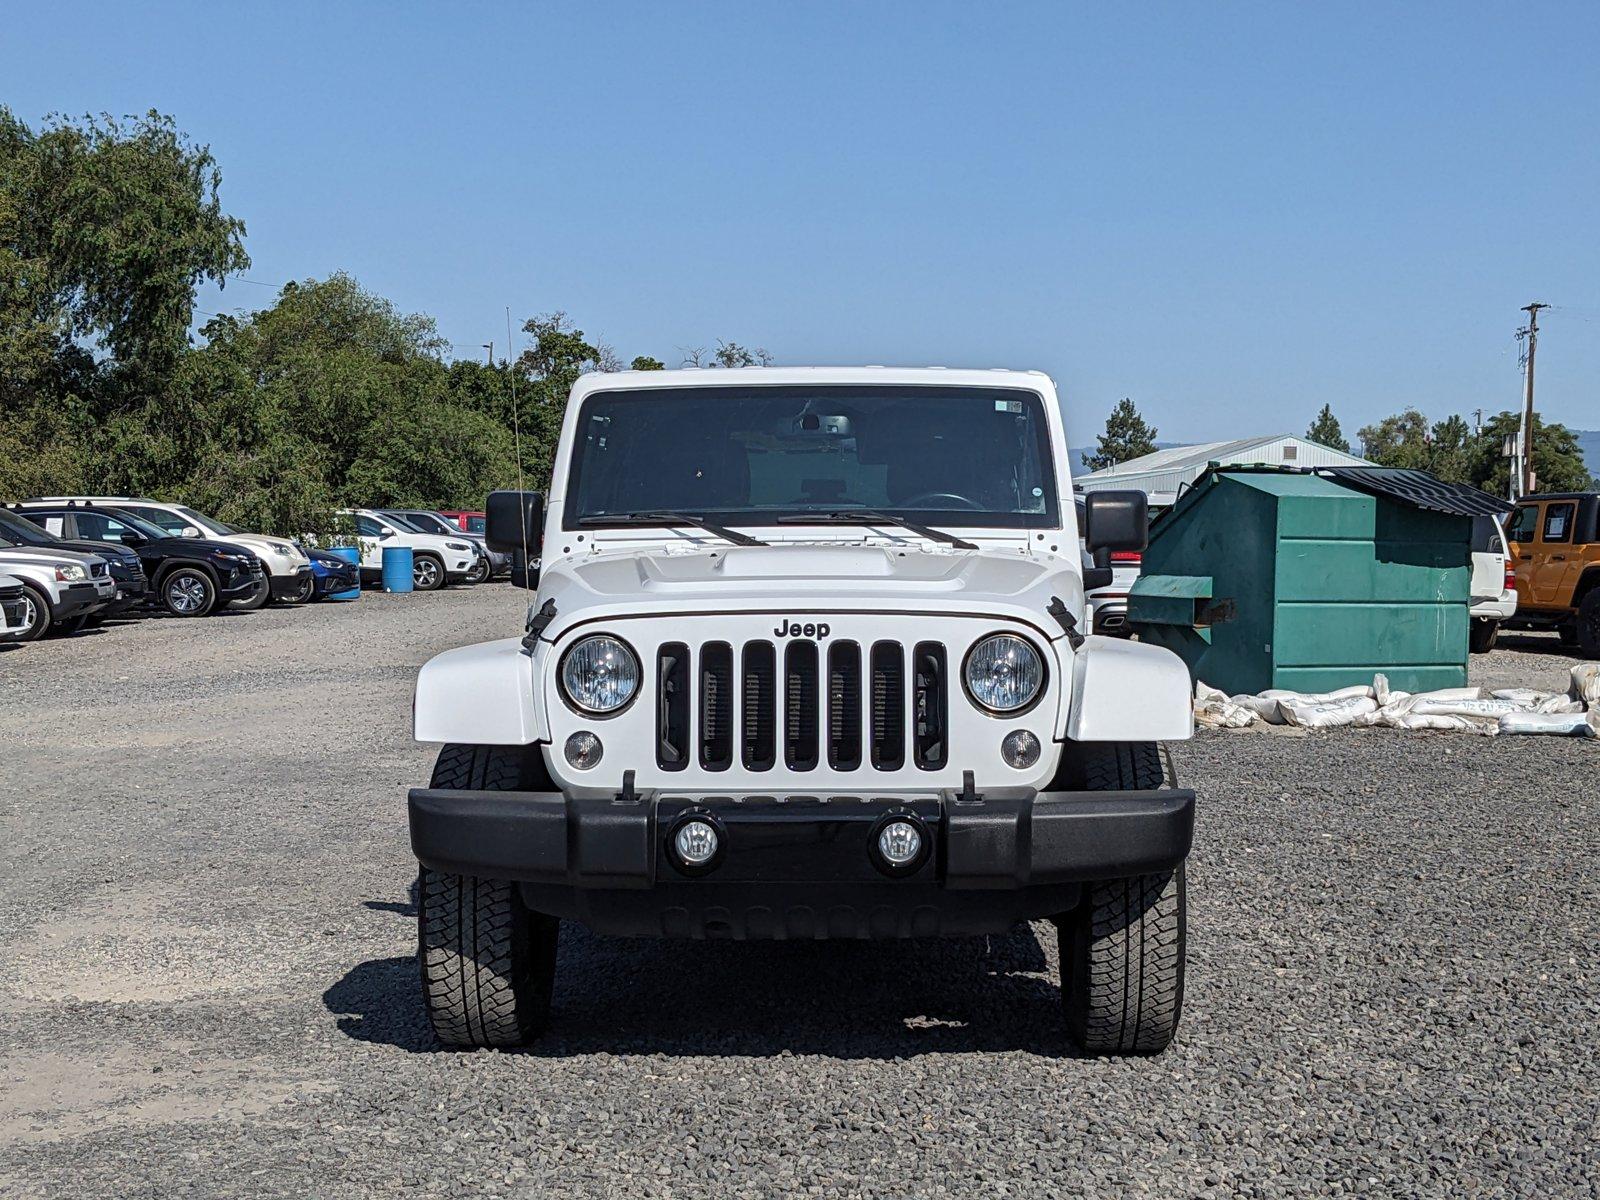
x: 645, y: 363
x: 122, y: 219
x: 1127, y: 436
x: 1325, y: 431
x: 1400, y: 440
x: 1557, y: 458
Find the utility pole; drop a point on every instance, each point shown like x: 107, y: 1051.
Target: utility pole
x: 1527, y: 398
x: 489, y: 346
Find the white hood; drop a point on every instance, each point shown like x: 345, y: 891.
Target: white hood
x: 266, y: 548
x: 845, y: 578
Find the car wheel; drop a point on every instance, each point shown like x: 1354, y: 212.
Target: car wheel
x: 1122, y: 948
x: 479, y: 572
x: 188, y: 592
x: 35, y: 614
x: 303, y: 593
x: 256, y: 599
x: 488, y: 961
x: 427, y: 573
x: 1589, y: 624
x: 1484, y: 635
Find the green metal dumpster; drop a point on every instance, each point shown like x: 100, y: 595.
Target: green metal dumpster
x: 1275, y: 578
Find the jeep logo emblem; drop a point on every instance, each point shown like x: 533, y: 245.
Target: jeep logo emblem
x: 791, y: 629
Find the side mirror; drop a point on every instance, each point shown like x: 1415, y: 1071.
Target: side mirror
x: 385, y: 535
x: 514, y: 522
x: 131, y: 537
x: 1115, y: 521
x: 188, y: 531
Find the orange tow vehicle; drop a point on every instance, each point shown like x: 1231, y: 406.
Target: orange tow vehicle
x: 1555, y: 544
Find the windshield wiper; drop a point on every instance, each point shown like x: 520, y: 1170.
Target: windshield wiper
x: 622, y: 520
x: 869, y: 517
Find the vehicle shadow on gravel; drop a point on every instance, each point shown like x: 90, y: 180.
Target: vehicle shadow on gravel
x: 891, y: 999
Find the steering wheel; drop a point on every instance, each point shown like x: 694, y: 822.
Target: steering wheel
x: 917, y: 501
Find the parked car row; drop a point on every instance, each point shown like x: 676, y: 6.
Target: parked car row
x: 70, y: 562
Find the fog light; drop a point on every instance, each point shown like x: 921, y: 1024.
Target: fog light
x: 900, y: 843
x: 696, y: 842
x: 1019, y: 748
x: 583, y: 749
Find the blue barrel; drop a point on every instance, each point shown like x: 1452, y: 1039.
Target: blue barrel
x: 351, y: 554
x: 397, y: 569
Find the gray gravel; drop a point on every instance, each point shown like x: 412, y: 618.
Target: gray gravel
x: 206, y: 982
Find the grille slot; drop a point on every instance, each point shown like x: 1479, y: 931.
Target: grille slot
x: 888, y: 706
x: 758, y: 745
x: 844, y: 706
x: 800, y: 735
x: 849, y: 706
x: 716, y: 706
x: 930, y: 747
x: 672, y: 706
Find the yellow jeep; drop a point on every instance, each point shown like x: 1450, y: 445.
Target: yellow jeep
x: 1555, y: 544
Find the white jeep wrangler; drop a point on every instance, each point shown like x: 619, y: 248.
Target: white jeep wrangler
x: 804, y: 661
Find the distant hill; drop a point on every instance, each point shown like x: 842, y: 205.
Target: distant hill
x: 1589, y: 443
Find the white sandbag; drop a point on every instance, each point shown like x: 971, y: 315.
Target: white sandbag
x: 1559, y: 724
x: 1426, y: 706
x: 1585, y: 684
x: 1559, y: 704
x: 1400, y: 716
x: 1213, y: 709
x: 1460, y: 693
x: 1264, y: 709
x: 1355, y: 690
x: 1528, y: 696
x: 1326, y: 714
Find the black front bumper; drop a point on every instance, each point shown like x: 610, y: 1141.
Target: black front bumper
x: 76, y: 599
x: 291, y: 584
x: 802, y: 866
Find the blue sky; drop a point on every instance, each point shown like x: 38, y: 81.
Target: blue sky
x: 1231, y: 213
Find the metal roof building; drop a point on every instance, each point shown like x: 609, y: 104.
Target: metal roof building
x: 1161, y: 474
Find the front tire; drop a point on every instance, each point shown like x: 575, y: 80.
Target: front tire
x: 427, y: 573
x: 257, y: 599
x: 1122, y: 948
x: 1483, y: 636
x: 479, y: 572
x: 488, y: 960
x: 35, y: 614
x: 188, y: 592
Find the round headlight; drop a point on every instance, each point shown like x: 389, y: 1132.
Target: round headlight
x: 1004, y: 673
x: 600, y: 674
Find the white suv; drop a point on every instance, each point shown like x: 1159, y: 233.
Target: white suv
x: 435, y: 558
x: 289, y: 576
x: 805, y: 659
x: 1494, y: 583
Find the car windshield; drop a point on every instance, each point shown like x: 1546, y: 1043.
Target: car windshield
x: 19, y: 531
x: 954, y: 456
x: 204, y: 523
x: 138, y: 524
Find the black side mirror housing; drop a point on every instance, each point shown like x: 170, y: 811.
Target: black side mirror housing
x: 1115, y: 521
x: 513, y: 523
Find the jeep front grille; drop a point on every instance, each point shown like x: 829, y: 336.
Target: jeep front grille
x: 848, y: 706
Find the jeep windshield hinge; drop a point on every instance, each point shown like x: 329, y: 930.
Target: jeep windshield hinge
x: 1068, y: 623
x: 537, y: 623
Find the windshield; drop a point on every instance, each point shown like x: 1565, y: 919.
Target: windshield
x: 18, y: 531
x: 477, y: 524
x: 204, y: 523
x: 751, y: 455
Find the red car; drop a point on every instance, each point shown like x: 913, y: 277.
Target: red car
x: 466, y: 521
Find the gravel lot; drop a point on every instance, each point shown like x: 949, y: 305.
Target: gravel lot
x: 207, y: 986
